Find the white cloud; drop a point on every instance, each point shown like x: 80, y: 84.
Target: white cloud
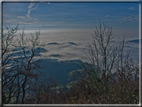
x: 131, y: 8
x: 8, y: 21
x: 106, y: 15
x: 5, y: 15
x: 22, y: 17
x: 28, y: 23
x: 32, y: 6
x: 130, y: 18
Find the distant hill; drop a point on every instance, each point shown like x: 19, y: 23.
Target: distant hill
x: 19, y: 52
x: 60, y: 70
x: 135, y: 41
x: 65, y: 43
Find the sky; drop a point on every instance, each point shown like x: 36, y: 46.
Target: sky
x: 71, y: 15
x: 62, y: 23
x: 123, y: 17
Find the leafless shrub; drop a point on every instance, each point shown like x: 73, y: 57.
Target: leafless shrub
x: 108, y: 65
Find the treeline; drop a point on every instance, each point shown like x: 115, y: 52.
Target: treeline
x: 111, y: 75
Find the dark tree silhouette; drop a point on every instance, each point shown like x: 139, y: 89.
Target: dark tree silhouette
x: 108, y: 63
x: 20, y: 67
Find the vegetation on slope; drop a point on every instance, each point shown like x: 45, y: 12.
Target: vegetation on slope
x: 111, y: 77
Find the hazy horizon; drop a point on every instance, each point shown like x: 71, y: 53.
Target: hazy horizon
x: 69, y: 25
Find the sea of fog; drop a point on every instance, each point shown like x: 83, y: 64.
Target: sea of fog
x: 65, y: 50
x: 69, y: 44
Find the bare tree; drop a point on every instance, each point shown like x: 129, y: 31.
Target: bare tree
x: 104, y: 59
x: 20, y: 64
x: 42, y: 90
x: 8, y: 76
x: 29, y: 67
x: 101, y: 55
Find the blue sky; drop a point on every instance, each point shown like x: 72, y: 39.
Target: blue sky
x: 73, y: 22
x: 71, y: 15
